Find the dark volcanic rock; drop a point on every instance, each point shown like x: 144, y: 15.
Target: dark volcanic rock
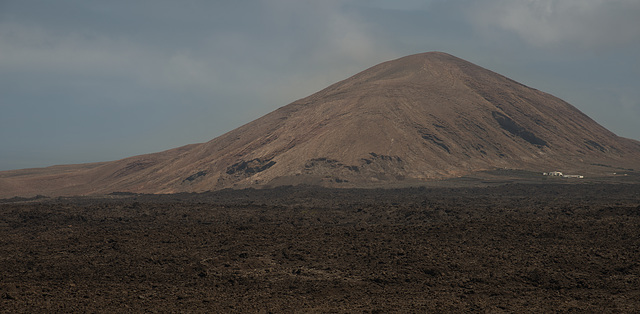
x: 511, y: 248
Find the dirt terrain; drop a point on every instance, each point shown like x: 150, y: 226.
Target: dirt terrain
x: 509, y: 248
x: 421, y: 118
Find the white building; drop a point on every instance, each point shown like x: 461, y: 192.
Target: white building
x: 560, y: 174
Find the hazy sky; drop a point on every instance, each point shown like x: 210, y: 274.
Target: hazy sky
x: 84, y: 80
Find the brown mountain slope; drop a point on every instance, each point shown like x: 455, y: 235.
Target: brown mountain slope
x: 422, y: 117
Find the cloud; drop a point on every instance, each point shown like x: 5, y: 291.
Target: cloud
x: 297, y: 47
x: 402, y: 5
x: 34, y: 49
x: 588, y: 23
x: 218, y: 54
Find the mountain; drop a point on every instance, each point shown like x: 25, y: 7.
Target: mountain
x: 422, y: 117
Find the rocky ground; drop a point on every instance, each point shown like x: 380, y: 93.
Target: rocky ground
x: 509, y: 248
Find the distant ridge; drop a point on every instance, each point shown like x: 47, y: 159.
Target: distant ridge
x: 423, y: 117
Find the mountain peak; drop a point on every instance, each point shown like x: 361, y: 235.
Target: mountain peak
x: 422, y: 63
x: 427, y: 116
x: 425, y: 58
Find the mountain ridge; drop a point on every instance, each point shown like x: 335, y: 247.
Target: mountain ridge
x: 422, y: 117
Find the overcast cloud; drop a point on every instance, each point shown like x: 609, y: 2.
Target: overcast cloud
x: 84, y: 80
x: 588, y: 24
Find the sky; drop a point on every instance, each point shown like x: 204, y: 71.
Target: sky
x: 88, y: 80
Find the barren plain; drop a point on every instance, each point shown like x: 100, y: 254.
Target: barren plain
x: 538, y: 247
